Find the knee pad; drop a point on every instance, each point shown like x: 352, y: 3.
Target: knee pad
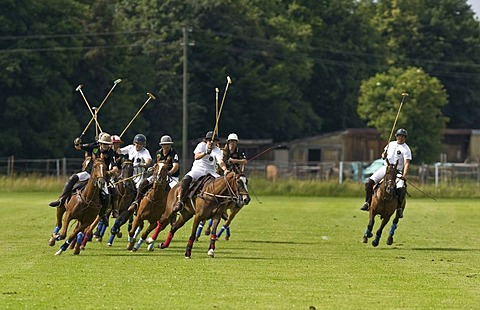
x: 369, y: 185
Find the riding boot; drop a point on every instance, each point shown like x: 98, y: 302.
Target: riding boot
x: 182, y: 193
x: 401, y: 193
x: 67, y: 191
x: 142, y: 190
x: 368, y: 195
x: 105, y: 202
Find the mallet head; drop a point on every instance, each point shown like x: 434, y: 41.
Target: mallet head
x: 151, y: 96
x: 79, y: 87
x: 117, y: 81
x: 229, y: 80
x: 217, y: 90
x: 405, y: 94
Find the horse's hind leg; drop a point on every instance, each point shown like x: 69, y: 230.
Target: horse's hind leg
x: 213, y: 237
x: 184, y: 217
x: 392, y: 230
x: 199, y: 230
x: 55, y: 236
x: 191, y: 240
x: 144, y: 237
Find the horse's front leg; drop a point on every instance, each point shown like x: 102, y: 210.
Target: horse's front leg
x: 213, y: 237
x: 392, y: 230
x: 191, y: 240
x: 226, y: 225
x: 368, y: 232
x: 183, y: 218
x: 378, y: 234
x: 144, y: 236
x: 134, y: 232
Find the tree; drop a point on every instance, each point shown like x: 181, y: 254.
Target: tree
x: 443, y: 38
x: 421, y: 114
x: 37, y: 59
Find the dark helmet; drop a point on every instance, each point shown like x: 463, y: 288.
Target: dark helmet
x: 139, y: 138
x: 402, y: 132
x: 209, y: 136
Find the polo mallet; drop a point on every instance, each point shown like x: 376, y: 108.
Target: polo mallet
x: 404, y: 95
x: 101, y: 105
x: 215, y: 130
x: 95, y: 110
x: 216, y: 102
x: 150, y: 96
x: 430, y: 196
x: 264, y: 151
x: 79, y: 89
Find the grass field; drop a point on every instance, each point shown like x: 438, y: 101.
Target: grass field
x: 284, y: 253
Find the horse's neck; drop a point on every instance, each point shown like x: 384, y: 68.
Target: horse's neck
x: 222, y: 183
x: 90, y: 190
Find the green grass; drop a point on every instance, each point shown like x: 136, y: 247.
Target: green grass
x: 284, y: 253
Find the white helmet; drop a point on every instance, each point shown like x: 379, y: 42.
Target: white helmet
x: 232, y: 136
x: 166, y: 140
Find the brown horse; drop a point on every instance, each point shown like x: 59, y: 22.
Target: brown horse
x: 83, y: 206
x: 125, y: 194
x: 151, y: 207
x: 231, y: 212
x: 384, y: 203
x: 211, y: 202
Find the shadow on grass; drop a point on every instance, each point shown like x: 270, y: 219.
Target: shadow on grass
x: 445, y: 249
x: 275, y: 242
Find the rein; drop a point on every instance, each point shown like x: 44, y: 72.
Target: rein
x: 231, y: 197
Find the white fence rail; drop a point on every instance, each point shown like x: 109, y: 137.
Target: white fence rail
x: 438, y: 173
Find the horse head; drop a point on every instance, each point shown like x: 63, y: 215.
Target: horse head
x: 160, y: 171
x: 240, y: 194
x: 390, y: 177
x: 99, y: 172
x: 127, y: 169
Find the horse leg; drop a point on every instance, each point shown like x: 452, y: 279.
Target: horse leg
x: 191, y: 240
x: 134, y: 232
x: 392, y: 230
x: 63, y: 233
x: 58, y: 226
x: 115, y: 230
x: 368, y: 232
x: 209, y: 228
x: 378, y: 235
x: 213, y: 237
x: 184, y: 217
x: 226, y: 225
x: 81, y: 236
x: 199, y: 230
x: 144, y: 236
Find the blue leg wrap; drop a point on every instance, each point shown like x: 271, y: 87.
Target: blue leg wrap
x: 56, y: 230
x: 199, y: 230
x: 228, y: 231
x: 392, y: 230
x: 110, y: 240
x: 220, y: 232
x: 79, y: 237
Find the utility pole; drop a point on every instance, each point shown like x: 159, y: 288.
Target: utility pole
x: 184, y: 167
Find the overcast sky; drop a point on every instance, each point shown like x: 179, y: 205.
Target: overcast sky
x: 475, y: 4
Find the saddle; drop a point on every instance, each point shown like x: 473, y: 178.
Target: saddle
x: 197, y: 186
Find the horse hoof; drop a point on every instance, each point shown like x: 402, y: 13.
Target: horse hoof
x: 119, y: 234
x: 130, y: 246
x: 76, y: 251
x: 151, y: 247
x: 51, y: 242
x: 59, y: 252
x: 149, y: 240
x: 369, y: 235
x: 196, y: 238
x: 134, y: 249
x: 365, y: 239
x: 227, y: 238
x: 161, y: 246
x: 211, y: 253
x: 375, y: 243
x: 390, y: 241
x: 109, y: 244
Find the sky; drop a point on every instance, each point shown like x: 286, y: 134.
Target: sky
x: 475, y: 4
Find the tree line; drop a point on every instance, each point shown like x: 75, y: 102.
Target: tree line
x: 299, y: 68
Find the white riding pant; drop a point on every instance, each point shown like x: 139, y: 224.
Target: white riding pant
x: 84, y: 176
x: 380, y: 173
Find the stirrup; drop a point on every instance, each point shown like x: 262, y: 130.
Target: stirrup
x: 365, y: 207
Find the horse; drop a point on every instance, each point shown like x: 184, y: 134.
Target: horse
x: 384, y: 203
x: 211, y: 202
x: 83, y: 206
x: 125, y: 194
x: 226, y: 216
x: 151, y: 207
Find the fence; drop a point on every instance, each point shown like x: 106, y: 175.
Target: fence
x: 438, y: 173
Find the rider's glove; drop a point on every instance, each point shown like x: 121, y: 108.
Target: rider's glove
x: 77, y: 141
